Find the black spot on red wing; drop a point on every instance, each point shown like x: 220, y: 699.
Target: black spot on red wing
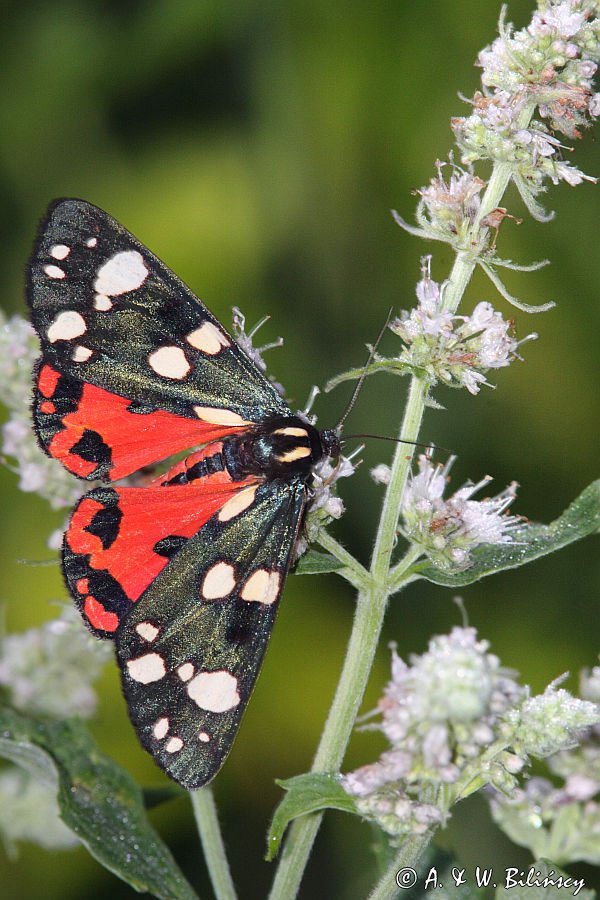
x: 105, y: 525
x: 169, y: 546
x: 100, y: 584
x: 92, y: 448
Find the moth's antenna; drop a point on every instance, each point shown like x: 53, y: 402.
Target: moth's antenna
x: 384, y: 437
x: 360, y: 381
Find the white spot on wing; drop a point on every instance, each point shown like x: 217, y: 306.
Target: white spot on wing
x: 67, y: 325
x: 60, y: 251
x: 147, y: 668
x: 91, y: 242
x: 174, y: 745
x: 204, y: 737
x: 81, y: 353
x: 218, y: 582
x: 147, y: 631
x: 215, y: 416
x: 102, y: 303
x: 169, y: 362
x: 54, y: 272
x: 161, y: 728
x: 214, y: 691
x: 185, y: 671
x: 262, y: 587
x: 237, y: 504
x: 123, y: 272
x: 208, y: 338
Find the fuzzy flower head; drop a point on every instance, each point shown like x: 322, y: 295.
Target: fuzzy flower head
x: 457, y: 721
x: 558, y: 819
x: 450, y: 206
x: 449, y: 529
x: 440, y: 714
x: 548, y: 66
x: 324, y: 503
x: 50, y: 670
x: 457, y: 350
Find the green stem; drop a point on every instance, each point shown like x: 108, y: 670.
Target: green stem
x: 205, y: 813
x: 407, y: 857
x: 353, y: 572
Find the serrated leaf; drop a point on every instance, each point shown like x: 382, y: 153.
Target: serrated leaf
x: 541, y: 881
x: 530, y: 541
x: 316, y: 563
x: 307, y: 793
x: 98, y: 801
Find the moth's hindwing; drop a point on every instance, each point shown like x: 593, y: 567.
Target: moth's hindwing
x: 191, y: 648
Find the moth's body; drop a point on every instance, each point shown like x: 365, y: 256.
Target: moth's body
x: 185, y: 573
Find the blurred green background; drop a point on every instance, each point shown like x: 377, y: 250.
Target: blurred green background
x: 258, y: 148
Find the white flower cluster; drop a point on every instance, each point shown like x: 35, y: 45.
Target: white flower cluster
x: 549, y: 66
x: 324, y: 504
x: 448, y: 530
x: 560, y: 821
x: 19, y: 350
x: 29, y: 812
x: 456, y: 350
x: 50, y: 670
x: 454, y: 718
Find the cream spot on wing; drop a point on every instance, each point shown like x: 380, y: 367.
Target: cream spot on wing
x: 161, y: 728
x: 215, y: 416
x: 292, y: 431
x: 262, y: 587
x: 55, y: 272
x: 60, y: 251
x: 91, y: 242
x: 169, y: 362
x: 208, y: 338
x: 102, y: 303
x: 66, y: 326
x: 147, y: 668
x: 147, y: 631
x: 204, y: 737
x: 237, y: 504
x: 81, y: 353
x: 218, y: 582
x: 174, y: 745
x: 123, y: 272
x: 214, y: 691
x: 294, y: 454
x: 185, y: 671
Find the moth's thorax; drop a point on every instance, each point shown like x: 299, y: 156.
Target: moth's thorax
x: 280, y: 447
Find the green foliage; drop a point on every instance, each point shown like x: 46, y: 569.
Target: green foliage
x: 98, y: 801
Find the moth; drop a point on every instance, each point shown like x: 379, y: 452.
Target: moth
x: 184, y: 571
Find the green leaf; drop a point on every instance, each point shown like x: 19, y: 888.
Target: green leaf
x: 307, y: 793
x: 98, y: 801
x: 530, y: 542
x: 541, y: 881
x: 316, y: 563
x: 393, y: 366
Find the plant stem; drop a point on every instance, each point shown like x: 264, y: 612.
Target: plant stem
x: 407, y: 857
x: 205, y: 813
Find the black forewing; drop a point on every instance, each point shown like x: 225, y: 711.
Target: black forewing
x: 161, y: 311
x: 217, y: 636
